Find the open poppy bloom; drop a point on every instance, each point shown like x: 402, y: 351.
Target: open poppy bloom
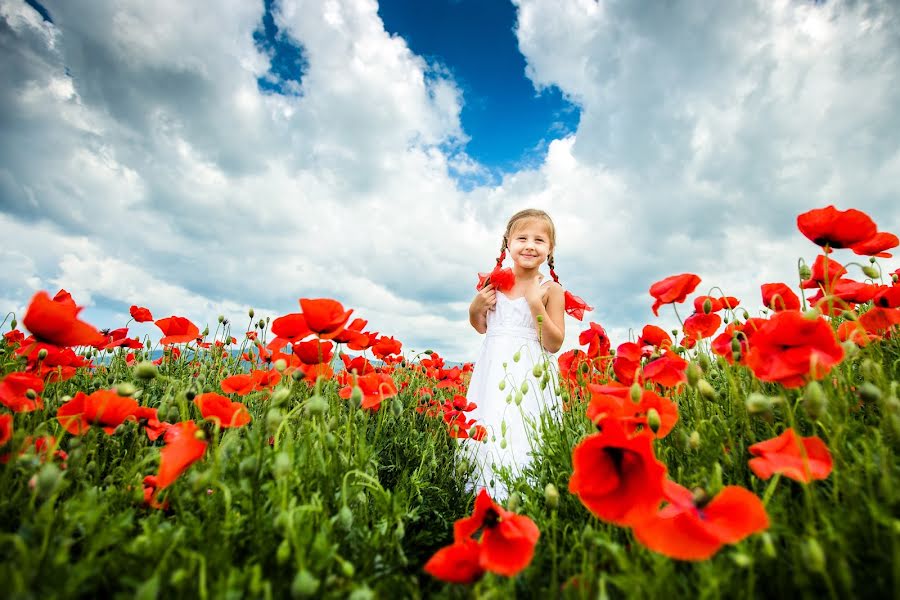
x: 700, y: 326
x: 313, y: 352
x: 117, y: 338
x: 240, y: 384
x: 627, y: 362
x: 715, y: 304
x: 832, y: 228
x: 778, y: 297
x: 376, y: 387
x: 502, y: 279
x: 289, y: 329
x: 324, y: 317
x: 183, y: 448
x: 673, y: 289
x: 386, y: 346
x: 6, y: 428
x: 614, y: 402
x: 104, y: 408
x: 651, y: 335
x: 596, y: 340
x: 669, y: 370
x: 880, y: 321
x: 218, y: 408
x: 353, y: 335
x: 887, y: 296
x: 799, y: 458
x: 616, y: 476
x: 791, y: 349
x: 506, y: 545
x: 55, y: 321
x: 14, y: 392
x: 149, y: 419
x: 688, y: 528
x: 177, y: 330
x: 140, y: 314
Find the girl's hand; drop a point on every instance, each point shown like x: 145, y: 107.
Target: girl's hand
x: 535, y: 294
x: 485, y: 299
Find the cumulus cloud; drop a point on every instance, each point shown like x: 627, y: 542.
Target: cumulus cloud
x: 142, y: 163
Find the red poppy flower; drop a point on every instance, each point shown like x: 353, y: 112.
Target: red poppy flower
x: 240, y: 384
x: 56, y: 322
x: 627, y: 362
x: 507, y: 540
x: 358, y: 364
x: 118, y: 338
x: 314, y: 352
x: 289, y: 329
x: 574, y: 306
x: 140, y: 314
x: 668, y: 370
x: 324, y: 317
x: 570, y: 362
x: 799, y: 458
x: 218, y: 408
x: 832, y: 228
x: 715, y: 304
x: 701, y: 326
x: 617, y: 477
x: 847, y: 290
x: 265, y: 379
x: 385, y: 346
x: 887, y: 296
x: 596, y: 340
x: 149, y: 419
x: 14, y: 392
x: 376, y: 387
x: 686, y: 529
x: 790, y: 349
x: 877, y: 245
x: 880, y: 321
x: 460, y: 562
x: 59, y: 364
x: 353, y: 335
x: 673, y: 289
x: 824, y: 271
x: 6, y: 428
x: 502, y: 279
x: 151, y: 487
x: 183, y: 448
x: 14, y: 337
x: 614, y: 402
x: 778, y: 297
x: 177, y: 330
x: 651, y: 335
x: 104, y: 408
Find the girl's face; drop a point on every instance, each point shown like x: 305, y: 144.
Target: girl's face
x: 529, y: 243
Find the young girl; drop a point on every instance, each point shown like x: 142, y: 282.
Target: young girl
x: 521, y: 325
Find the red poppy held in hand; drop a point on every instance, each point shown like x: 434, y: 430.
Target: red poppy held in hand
x: 799, y: 458
x: 177, y: 330
x: 617, y: 477
x: 185, y: 445
x: 689, y: 528
x: 324, y: 317
x: 56, y: 322
x: 140, y: 314
x: 832, y: 228
x: 218, y: 408
x: 502, y: 279
x: 673, y: 289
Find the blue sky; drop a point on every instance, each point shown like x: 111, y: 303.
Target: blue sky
x: 201, y: 162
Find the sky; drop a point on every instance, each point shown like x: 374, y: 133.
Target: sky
x: 202, y: 163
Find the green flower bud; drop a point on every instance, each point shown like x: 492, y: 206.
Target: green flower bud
x: 636, y: 392
x: 742, y: 560
x: 814, y: 556
x: 768, y: 546
x: 284, y: 552
x: 870, y: 369
x: 248, y: 465
x: 397, y: 407
x: 537, y: 370
x: 653, y: 421
x: 805, y: 272
x: 814, y: 400
x: 706, y: 390
x: 512, y: 505
x: 298, y: 375
x: 316, y: 406
x: 279, y: 397
x: 273, y: 419
x: 502, y: 385
x: 304, y: 585
x: 519, y: 397
x: 145, y: 370
x: 48, y: 479
x: 42, y: 354
x: 356, y: 395
x: 126, y: 388
x: 251, y: 313
x: 694, y: 440
x: 871, y: 272
x: 261, y: 324
x: 703, y: 361
x: 282, y: 465
x: 503, y: 444
x: 30, y: 394
x: 517, y: 356
x: 551, y: 496
x: 694, y: 372
x: 707, y: 306
x: 280, y: 365
x: 345, y: 518
x: 811, y: 314
x: 757, y: 403
x: 13, y: 324
x: 869, y: 392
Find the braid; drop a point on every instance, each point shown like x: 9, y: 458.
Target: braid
x: 502, y: 252
x: 552, y: 272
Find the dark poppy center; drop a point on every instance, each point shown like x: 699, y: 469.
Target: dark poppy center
x: 491, y: 518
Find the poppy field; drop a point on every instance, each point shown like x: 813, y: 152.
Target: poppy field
x: 749, y: 453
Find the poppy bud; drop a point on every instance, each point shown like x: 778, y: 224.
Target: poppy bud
x: 551, y: 496
x: 42, y: 354
x: 814, y: 400
x: 305, y: 585
x: 537, y: 370
x: 273, y: 420
x: 126, y: 388
x: 503, y: 428
x: 518, y: 398
x: 316, y: 405
x: 707, y: 306
x: 703, y: 361
x: 694, y: 440
x: 284, y: 552
x: 251, y: 313
x: 298, y: 375
x: 869, y: 392
x: 47, y: 479
x: 30, y: 394
x: 895, y: 278
x: 736, y: 356
x: 397, y: 407
x: 848, y: 315
x: 870, y: 369
x: 503, y: 444
x: 805, y: 272
x: 13, y: 324
x: 509, y: 398
x: 872, y: 259
x: 539, y: 319
x: 870, y: 272
x: 356, y: 395
x: 742, y: 560
x: 280, y: 397
x: 811, y: 314
x: 517, y: 356
x: 512, y: 505
x: 524, y: 387
x: 200, y: 435
x: 653, y: 421
x: 694, y: 373
x: 814, y: 556
x: 636, y: 392
x: 502, y: 385
x: 735, y: 344
x: 706, y: 390
x: 757, y: 403
x: 262, y: 324
x: 281, y: 465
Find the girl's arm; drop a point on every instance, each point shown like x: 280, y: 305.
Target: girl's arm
x: 553, y: 326
x: 484, y: 300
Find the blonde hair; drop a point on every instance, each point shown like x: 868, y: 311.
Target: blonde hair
x: 527, y: 215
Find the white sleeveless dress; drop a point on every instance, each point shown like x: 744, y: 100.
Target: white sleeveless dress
x: 510, y: 330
